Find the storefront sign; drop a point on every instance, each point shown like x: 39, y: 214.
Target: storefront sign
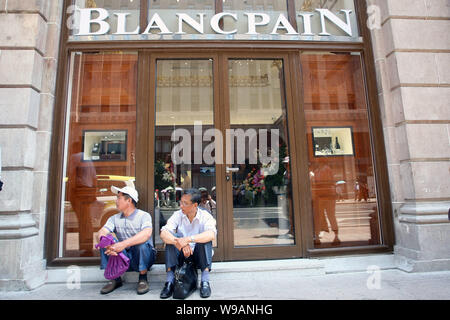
x: 96, y: 22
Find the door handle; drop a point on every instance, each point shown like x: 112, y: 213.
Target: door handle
x: 232, y: 169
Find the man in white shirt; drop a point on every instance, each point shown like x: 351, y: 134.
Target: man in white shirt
x: 189, y: 232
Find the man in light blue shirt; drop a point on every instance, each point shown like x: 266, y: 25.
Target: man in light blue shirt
x: 133, y: 229
x: 189, y: 232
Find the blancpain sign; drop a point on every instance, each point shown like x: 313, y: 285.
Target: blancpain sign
x: 96, y: 22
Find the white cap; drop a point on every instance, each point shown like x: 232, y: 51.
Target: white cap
x: 126, y: 190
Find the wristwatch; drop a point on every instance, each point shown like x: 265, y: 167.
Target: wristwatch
x: 192, y: 239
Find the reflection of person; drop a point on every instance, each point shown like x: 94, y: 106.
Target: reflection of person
x: 82, y: 185
x: 361, y: 191
x: 186, y: 184
x: 133, y: 228
x: 340, y: 192
x: 287, y: 183
x: 207, y: 202
x: 324, y: 201
x: 189, y: 232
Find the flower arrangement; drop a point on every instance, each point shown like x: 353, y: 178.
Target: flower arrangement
x: 255, y: 181
x: 164, y: 177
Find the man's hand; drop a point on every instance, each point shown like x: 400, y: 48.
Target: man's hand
x: 115, y: 248
x: 187, y: 251
x: 180, y: 243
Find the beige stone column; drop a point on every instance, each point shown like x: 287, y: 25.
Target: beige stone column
x: 29, y: 43
x: 412, y: 50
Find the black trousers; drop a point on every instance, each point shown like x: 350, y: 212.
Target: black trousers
x: 202, y: 256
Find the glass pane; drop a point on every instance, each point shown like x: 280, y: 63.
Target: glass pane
x: 113, y: 7
x: 306, y: 7
x: 341, y: 169
x: 167, y: 10
x: 185, y: 106
x: 100, y: 145
x: 273, y: 8
x: 262, y: 208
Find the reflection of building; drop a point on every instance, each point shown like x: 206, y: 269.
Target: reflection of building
x: 51, y: 92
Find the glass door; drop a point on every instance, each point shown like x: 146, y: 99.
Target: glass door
x: 184, y: 135
x: 221, y: 126
x: 260, y: 213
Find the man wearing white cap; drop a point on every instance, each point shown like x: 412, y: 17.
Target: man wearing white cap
x: 133, y: 229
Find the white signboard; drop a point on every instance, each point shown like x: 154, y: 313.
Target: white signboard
x: 100, y: 24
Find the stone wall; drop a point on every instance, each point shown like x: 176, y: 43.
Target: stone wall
x: 412, y: 53
x: 29, y: 42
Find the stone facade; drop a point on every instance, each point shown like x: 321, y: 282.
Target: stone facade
x: 29, y: 44
x: 412, y: 53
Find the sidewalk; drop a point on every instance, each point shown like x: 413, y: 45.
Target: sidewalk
x: 349, y: 278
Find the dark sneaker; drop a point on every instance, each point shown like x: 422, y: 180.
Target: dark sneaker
x: 111, y: 286
x: 143, y: 287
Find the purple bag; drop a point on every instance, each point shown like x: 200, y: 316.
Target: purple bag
x: 117, y: 265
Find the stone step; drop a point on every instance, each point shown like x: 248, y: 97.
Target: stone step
x: 236, y: 270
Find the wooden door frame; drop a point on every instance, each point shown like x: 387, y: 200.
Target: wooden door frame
x: 267, y: 251
x: 154, y: 56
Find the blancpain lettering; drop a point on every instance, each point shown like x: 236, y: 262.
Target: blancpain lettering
x: 99, y: 17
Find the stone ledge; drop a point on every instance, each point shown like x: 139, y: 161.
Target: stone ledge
x: 244, y: 269
x: 425, y: 213
x: 17, y: 227
x: 412, y: 266
x: 425, y: 208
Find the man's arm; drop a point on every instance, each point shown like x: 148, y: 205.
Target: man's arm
x: 167, y: 237
x: 102, y: 232
x: 139, y: 238
x: 203, y: 237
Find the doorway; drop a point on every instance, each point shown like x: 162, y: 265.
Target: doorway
x: 221, y: 126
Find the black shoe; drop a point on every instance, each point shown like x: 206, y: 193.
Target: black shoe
x: 205, y: 289
x: 167, y: 291
x: 111, y: 286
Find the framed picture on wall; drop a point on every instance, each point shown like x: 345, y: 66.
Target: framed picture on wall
x: 108, y: 145
x: 332, y: 141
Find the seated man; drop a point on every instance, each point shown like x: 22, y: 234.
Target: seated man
x: 133, y: 228
x: 196, y: 229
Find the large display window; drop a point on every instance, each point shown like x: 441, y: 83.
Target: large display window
x: 341, y: 170
x: 100, y: 144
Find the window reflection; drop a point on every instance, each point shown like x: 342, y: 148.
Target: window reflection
x: 100, y: 145
x: 167, y: 10
x: 262, y: 207
x: 344, y: 200
x: 113, y: 7
x: 306, y: 12
x: 273, y: 8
